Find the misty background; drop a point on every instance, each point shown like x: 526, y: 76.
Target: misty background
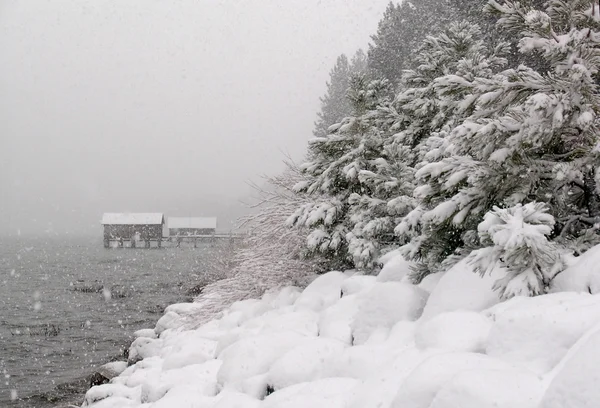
x: 158, y: 106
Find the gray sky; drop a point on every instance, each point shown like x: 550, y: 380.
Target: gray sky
x: 156, y: 105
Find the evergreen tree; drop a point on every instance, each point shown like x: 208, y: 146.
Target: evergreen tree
x: 533, y: 136
x: 430, y: 104
x: 337, y: 163
x: 401, y: 31
x: 334, y: 104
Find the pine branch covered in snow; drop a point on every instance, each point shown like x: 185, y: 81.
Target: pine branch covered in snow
x: 516, y: 239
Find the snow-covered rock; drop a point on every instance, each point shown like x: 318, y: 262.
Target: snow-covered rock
x: 537, y: 332
x: 150, y: 333
x: 420, y: 388
x: 322, y: 292
x: 394, y: 269
x: 430, y: 281
x: 304, y: 322
x: 454, y: 331
x: 111, y: 370
x: 357, y: 283
x: 323, y: 393
x: 385, y: 304
x: 254, y: 355
x: 460, y: 288
x: 144, y: 347
x: 232, y: 399
x: 303, y: 363
x: 379, y: 390
x: 575, y: 383
x: 360, y: 362
x: 169, y: 320
x: 335, y: 322
x: 491, y: 389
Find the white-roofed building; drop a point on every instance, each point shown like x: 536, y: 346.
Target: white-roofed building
x: 133, y: 226
x: 190, y: 226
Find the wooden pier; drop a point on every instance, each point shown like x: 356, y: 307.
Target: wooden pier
x: 171, y: 241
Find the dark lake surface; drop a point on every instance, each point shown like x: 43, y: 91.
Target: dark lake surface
x: 68, y: 305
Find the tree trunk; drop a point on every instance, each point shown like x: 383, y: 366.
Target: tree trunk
x: 589, y: 191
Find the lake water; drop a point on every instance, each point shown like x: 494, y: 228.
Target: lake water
x: 69, y: 305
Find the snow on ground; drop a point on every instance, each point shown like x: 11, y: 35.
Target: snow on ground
x: 353, y: 341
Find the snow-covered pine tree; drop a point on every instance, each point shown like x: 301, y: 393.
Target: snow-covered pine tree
x: 533, y: 137
x: 400, y: 32
x: 339, y: 189
x: 334, y: 104
x: 426, y: 108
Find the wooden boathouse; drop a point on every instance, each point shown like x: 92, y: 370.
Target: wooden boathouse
x: 133, y: 227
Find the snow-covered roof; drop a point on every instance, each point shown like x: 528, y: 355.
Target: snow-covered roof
x: 132, y: 219
x: 192, y: 222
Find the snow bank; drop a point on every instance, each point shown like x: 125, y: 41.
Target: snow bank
x: 353, y: 341
x: 461, y: 288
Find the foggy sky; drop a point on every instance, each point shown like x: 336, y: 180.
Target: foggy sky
x: 158, y: 105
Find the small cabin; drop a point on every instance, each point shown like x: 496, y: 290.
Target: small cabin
x: 192, y: 226
x: 133, y: 227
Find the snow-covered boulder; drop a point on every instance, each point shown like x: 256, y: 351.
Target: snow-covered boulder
x: 322, y: 292
x: 385, y: 304
x: 575, y: 382
x: 181, y: 396
x: 111, y: 370
x: 394, y: 269
x: 169, y: 320
x: 304, y: 322
x: 461, y: 288
x: 360, y: 362
x: 491, y: 389
x: 324, y: 393
x: 430, y: 281
x: 454, y: 331
x: 282, y: 297
x: 201, y: 376
x: 583, y: 276
x: 233, y: 399
x: 335, y: 321
x: 357, y: 283
x: 402, y: 335
x: 184, y: 309
x: 537, y: 332
x: 255, y: 355
x: 119, y: 394
x: 303, y: 363
x: 144, y: 347
x: 420, y: 388
x: 150, y: 333
x: 379, y: 390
